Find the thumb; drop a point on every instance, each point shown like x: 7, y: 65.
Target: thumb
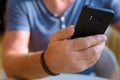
x: 63, y: 34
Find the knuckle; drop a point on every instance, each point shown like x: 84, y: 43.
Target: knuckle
x: 86, y: 43
x: 95, y: 58
x: 95, y: 51
x: 80, y: 43
x: 92, y: 61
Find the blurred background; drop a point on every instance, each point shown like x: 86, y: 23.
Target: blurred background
x: 2, y: 27
x: 113, y: 42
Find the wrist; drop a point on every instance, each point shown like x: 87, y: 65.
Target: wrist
x: 46, y: 66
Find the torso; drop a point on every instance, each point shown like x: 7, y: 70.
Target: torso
x: 44, y: 23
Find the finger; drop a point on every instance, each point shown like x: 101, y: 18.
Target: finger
x: 63, y: 34
x: 84, y: 43
x: 86, y: 58
x: 92, y: 54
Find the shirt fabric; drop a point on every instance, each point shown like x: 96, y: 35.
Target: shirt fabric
x: 33, y: 16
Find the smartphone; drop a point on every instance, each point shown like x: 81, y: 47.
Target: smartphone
x: 92, y: 21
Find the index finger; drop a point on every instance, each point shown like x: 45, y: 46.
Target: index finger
x: 84, y: 43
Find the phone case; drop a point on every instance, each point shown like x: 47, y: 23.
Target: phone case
x: 92, y: 21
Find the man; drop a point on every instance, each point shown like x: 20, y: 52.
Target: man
x: 38, y: 24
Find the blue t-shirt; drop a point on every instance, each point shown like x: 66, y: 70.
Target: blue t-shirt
x: 33, y: 16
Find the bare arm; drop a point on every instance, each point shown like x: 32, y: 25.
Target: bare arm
x: 62, y: 56
x: 15, y: 60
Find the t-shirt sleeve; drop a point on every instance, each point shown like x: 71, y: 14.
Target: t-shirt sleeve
x: 17, y: 16
x: 115, y: 6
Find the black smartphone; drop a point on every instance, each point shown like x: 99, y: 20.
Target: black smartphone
x: 92, y: 21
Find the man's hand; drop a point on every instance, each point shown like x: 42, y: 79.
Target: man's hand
x: 73, y: 55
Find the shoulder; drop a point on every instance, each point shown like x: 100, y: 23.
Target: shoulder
x: 110, y: 1
x: 13, y: 4
x: 114, y: 3
x: 19, y: 5
x: 115, y: 6
x: 19, y: 2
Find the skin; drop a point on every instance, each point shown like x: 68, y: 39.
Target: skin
x: 73, y: 55
x: 56, y: 5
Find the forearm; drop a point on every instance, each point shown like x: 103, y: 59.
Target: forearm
x: 26, y: 66
x: 61, y: 56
